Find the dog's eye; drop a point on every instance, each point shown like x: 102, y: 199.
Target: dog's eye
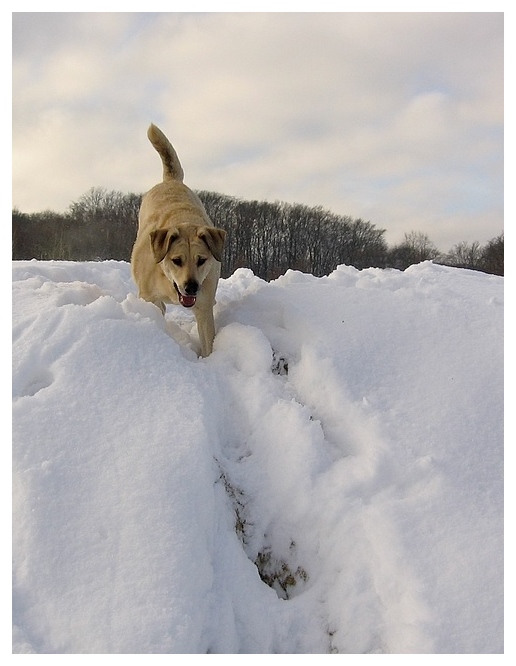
x: 201, y: 261
x: 177, y: 261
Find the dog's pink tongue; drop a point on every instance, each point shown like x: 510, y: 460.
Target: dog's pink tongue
x: 187, y: 301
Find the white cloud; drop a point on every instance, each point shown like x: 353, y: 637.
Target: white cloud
x: 349, y: 111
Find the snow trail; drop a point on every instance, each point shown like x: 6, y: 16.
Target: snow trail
x: 316, y: 464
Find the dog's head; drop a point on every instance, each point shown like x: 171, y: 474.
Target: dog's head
x: 186, y: 254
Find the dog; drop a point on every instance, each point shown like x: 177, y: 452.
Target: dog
x: 177, y: 254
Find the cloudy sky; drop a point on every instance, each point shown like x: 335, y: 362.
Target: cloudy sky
x: 396, y: 118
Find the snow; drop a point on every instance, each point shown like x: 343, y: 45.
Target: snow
x: 344, y: 440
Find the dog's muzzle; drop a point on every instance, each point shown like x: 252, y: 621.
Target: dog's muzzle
x: 189, y: 298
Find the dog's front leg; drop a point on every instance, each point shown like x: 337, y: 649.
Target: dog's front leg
x: 206, y: 330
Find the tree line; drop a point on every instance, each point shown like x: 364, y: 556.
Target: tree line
x: 269, y: 238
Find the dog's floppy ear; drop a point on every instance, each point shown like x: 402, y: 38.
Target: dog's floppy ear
x: 214, y: 239
x: 161, y: 240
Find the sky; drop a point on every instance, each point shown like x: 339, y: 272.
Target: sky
x: 395, y: 118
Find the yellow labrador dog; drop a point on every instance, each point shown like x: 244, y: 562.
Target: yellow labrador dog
x: 177, y: 253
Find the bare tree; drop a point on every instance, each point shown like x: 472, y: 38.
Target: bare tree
x: 415, y: 248
x: 106, y: 223
x: 465, y: 255
x: 493, y: 256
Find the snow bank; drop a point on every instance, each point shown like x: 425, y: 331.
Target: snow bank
x: 330, y: 479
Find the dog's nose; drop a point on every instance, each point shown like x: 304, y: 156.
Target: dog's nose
x: 191, y: 287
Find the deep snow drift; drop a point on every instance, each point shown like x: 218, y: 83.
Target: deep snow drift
x: 330, y: 479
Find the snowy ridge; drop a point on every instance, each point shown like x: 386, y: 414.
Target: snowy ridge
x: 328, y: 480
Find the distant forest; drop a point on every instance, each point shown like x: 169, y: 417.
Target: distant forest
x: 268, y: 238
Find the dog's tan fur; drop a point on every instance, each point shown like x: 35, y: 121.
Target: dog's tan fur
x: 177, y: 253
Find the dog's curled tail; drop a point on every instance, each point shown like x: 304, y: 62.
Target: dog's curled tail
x: 172, y: 169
